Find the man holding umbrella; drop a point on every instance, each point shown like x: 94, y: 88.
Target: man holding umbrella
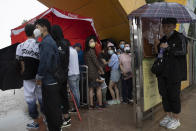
x: 173, y: 49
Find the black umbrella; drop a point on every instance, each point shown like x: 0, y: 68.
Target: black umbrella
x: 159, y: 10
x: 10, y: 77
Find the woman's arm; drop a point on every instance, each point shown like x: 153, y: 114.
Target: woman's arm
x: 95, y: 61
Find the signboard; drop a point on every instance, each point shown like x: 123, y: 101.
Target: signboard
x: 151, y: 93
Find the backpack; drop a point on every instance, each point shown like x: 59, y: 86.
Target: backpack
x: 61, y: 72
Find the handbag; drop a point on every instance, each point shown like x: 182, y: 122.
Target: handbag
x: 158, y: 66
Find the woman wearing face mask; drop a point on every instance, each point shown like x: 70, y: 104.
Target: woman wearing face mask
x: 93, y: 68
x: 114, y: 76
x: 125, y: 66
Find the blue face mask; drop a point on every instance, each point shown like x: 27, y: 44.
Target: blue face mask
x: 110, y: 52
x: 122, y: 46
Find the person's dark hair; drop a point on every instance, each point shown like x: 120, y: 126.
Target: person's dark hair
x: 57, y: 33
x: 104, y: 45
x: 44, y: 22
x: 127, y: 44
x: 169, y: 21
x: 29, y: 28
x: 122, y: 41
x: 77, y: 45
x: 87, y: 47
x: 67, y: 42
x: 112, y: 47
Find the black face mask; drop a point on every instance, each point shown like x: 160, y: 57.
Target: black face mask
x: 128, y: 51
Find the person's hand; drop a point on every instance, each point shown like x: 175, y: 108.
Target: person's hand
x: 38, y: 82
x: 156, y: 42
x: 124, y: 74
x: 164, y: 45
x: 101, y: 72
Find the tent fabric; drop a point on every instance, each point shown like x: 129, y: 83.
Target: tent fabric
x: 110, y: 16
x: 75, y: 27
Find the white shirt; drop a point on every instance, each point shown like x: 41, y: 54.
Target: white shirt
x: 73, y: 62
x: 103, y: 85
x: 29, y: 48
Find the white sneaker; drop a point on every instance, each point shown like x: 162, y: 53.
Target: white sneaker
x: 165, y: 121
x: 118, y: 101
x: 173, y: 124
x: 112, y: 102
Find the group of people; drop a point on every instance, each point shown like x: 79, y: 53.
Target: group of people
x: 52, y: 65
x: 106, y: 69
x: 49, y: 67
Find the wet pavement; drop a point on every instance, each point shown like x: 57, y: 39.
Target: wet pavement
x: 14, y: 116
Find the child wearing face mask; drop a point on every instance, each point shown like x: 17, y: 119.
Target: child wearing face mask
x: 114, y: 76
x: 125, y: 66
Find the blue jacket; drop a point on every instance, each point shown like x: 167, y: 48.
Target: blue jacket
x: 81, y: 57
x: 49, y: 59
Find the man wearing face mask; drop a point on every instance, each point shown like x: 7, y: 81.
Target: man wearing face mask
x: 121, y: 45
x: 28, y: 55
x: 125, y: 66
x: 49, y: 61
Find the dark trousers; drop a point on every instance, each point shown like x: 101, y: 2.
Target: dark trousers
x: 64, y: 98
x: 52, y: 102
x: 170, y: 92
x: 127, y: 87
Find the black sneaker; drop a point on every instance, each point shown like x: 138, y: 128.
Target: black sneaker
x: 66, y: 122
x: 32, y: 126
x: 73, y: 111
x: 100, y: 107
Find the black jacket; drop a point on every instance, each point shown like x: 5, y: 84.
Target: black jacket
x: 63, y: 48
x: 176, y: 64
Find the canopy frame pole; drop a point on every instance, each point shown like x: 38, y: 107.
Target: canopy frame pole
x: 137, y: 50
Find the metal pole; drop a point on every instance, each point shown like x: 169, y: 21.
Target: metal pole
x: 133, y: 58
x: 137, y: 49
x: 140, y: 74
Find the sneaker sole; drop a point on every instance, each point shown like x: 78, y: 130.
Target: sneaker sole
x: 66, y: 122
x: 32, y: 128
x: 163, y: 125
x: 174, y: 128
x: 64, y: 126
x: 73, y: 112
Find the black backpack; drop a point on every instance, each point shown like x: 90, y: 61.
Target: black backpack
x: 61, y: 72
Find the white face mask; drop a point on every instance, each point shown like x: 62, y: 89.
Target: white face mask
x: 127, y: 49
x: 110, y: 52
x: 37, y: 33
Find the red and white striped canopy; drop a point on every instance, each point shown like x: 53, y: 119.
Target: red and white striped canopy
x: 75, y: 27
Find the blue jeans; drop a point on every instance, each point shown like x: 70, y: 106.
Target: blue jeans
x: 74, y: 86
x: 32, y: 93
